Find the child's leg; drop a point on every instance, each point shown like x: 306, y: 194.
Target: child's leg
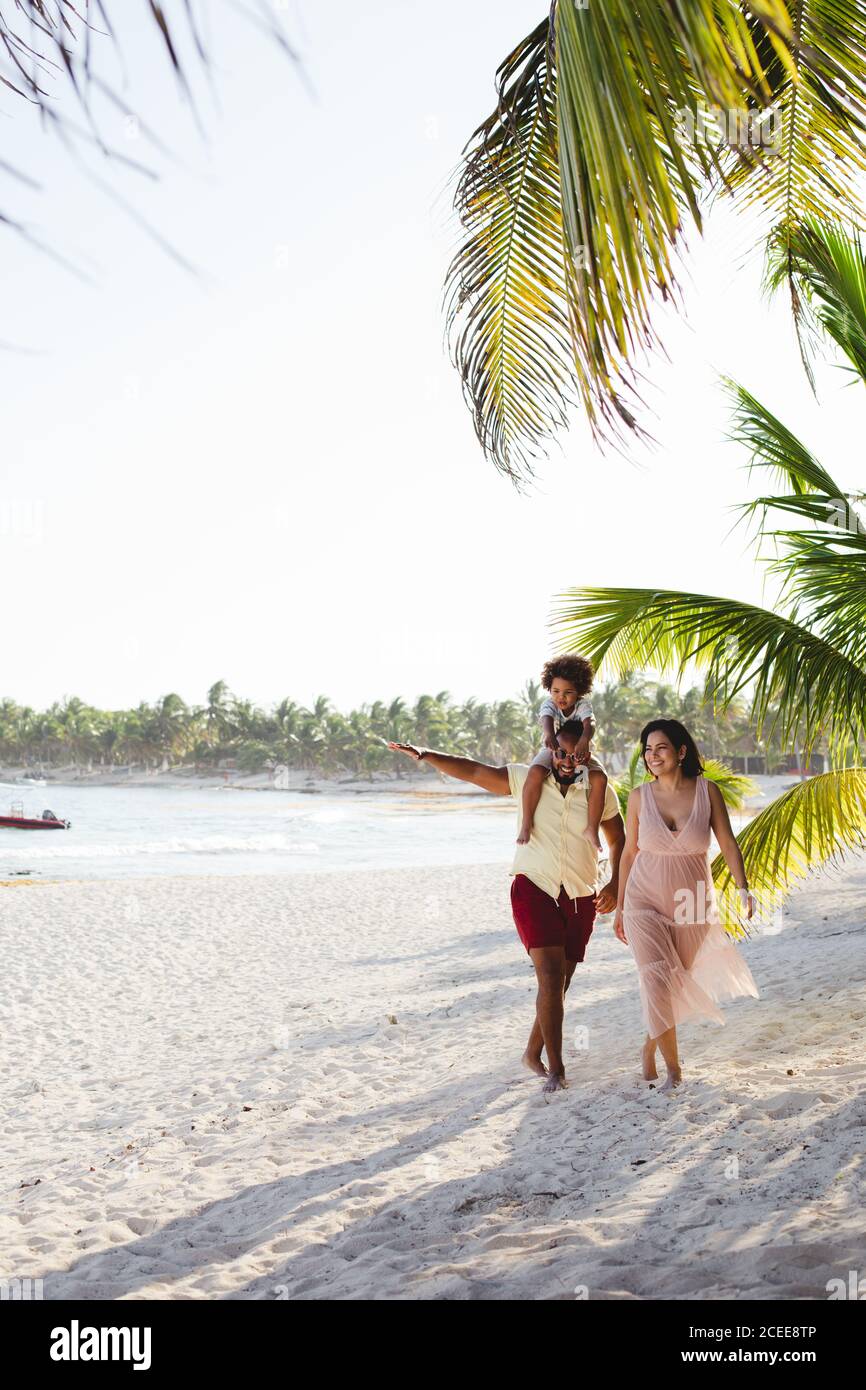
x: 595, y: 806
x: 535, y: 779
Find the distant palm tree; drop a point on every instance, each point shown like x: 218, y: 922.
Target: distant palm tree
x: 613, y: 121
x: 248, y: 721
x: 218, y: 720
x: 473, y: 727
x: 513, y: 740
x: 531, y: 697
x: 398, y: 722
x: 430, y: 719
x: 804, y: 660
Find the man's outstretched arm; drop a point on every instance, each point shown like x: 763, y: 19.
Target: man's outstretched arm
x: 492, y: 779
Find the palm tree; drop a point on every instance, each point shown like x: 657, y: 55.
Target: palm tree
x: 169, y: 726
x: 217, y: 712
x: 531, y: 697
x: 509, y: 732
x: 75, y: 723
x: 248, y: 721
x: 137, y: 738
x: 430, y: 719
x: 804, y: 660
x: 399, y: 724
x: 577, y: 192
x: 472, y: 728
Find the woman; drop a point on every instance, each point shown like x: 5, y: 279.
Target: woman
x: 667, y: 909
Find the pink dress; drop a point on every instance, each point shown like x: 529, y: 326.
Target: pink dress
x: 686, y: 961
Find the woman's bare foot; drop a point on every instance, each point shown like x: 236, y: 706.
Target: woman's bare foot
x: 524, y: 833
x: 555, y: 1082
x: 534, y: 1064
x: 592, y: 835
x: 648, y: 1060
x: 675, y: 1079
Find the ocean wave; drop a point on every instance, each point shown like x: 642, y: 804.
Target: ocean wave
x: 208, y: 844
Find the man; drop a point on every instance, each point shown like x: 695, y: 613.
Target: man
x: 553, y: 897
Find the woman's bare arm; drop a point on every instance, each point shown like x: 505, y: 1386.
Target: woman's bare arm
x: 632, y: 825
x: 720, y: 822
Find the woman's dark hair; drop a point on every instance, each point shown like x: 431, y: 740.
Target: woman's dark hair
x: 574, y: 669
x: 680, y: 738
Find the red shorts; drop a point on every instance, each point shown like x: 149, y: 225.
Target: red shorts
x: 540, y: 921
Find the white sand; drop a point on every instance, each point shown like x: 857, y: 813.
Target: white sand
x: 411, y: 1159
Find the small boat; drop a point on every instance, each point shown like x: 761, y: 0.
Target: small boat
x: 16, y: 820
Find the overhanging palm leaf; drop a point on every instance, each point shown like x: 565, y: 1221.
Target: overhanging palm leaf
x: 632, y: 77
x: 52, y: 48
x: 771, y: 445
x: 817, y: 153
x: 825, y: 264
x: 829, y: 580
x: 506, y: 288
x: 809, y: 682
x: 595, y: 163
x: 823, y: 569
x: 813, y: 823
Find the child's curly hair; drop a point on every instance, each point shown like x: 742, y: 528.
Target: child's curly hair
x: 574, y: 669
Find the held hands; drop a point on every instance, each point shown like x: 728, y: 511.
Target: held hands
x: 606, y: 900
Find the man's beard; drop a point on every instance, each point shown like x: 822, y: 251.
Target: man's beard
x: 567, y: 778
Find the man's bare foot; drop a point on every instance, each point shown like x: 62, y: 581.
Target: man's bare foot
x: 555, y: 1082
x: 592, y: 835
x: 648, y: 1060
x: 675, y: 1078
x: 524, y: 834
x: 534, y: 1063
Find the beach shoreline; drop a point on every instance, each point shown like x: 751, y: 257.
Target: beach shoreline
x: 421, y: 779
x: 298, y: 781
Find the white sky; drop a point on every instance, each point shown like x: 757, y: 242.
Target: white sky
x: 269, y: 475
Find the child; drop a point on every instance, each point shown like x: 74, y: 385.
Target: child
x: 569, y: 681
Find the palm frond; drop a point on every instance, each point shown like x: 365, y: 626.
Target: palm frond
x: 798, y: 680
x: 505, y: 288
x: 634, y: 775
x: 49, y: 50
x: 632, y: 77
x: 827, y: 265
x: 736, y: 787
x: 816, y: 822
x: 574, y: 198
x: 827, y: 581
x: 815, y: 156
x: 771, y: 445
x: 823, y: 569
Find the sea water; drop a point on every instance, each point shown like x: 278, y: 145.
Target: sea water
x: 122, y: 832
